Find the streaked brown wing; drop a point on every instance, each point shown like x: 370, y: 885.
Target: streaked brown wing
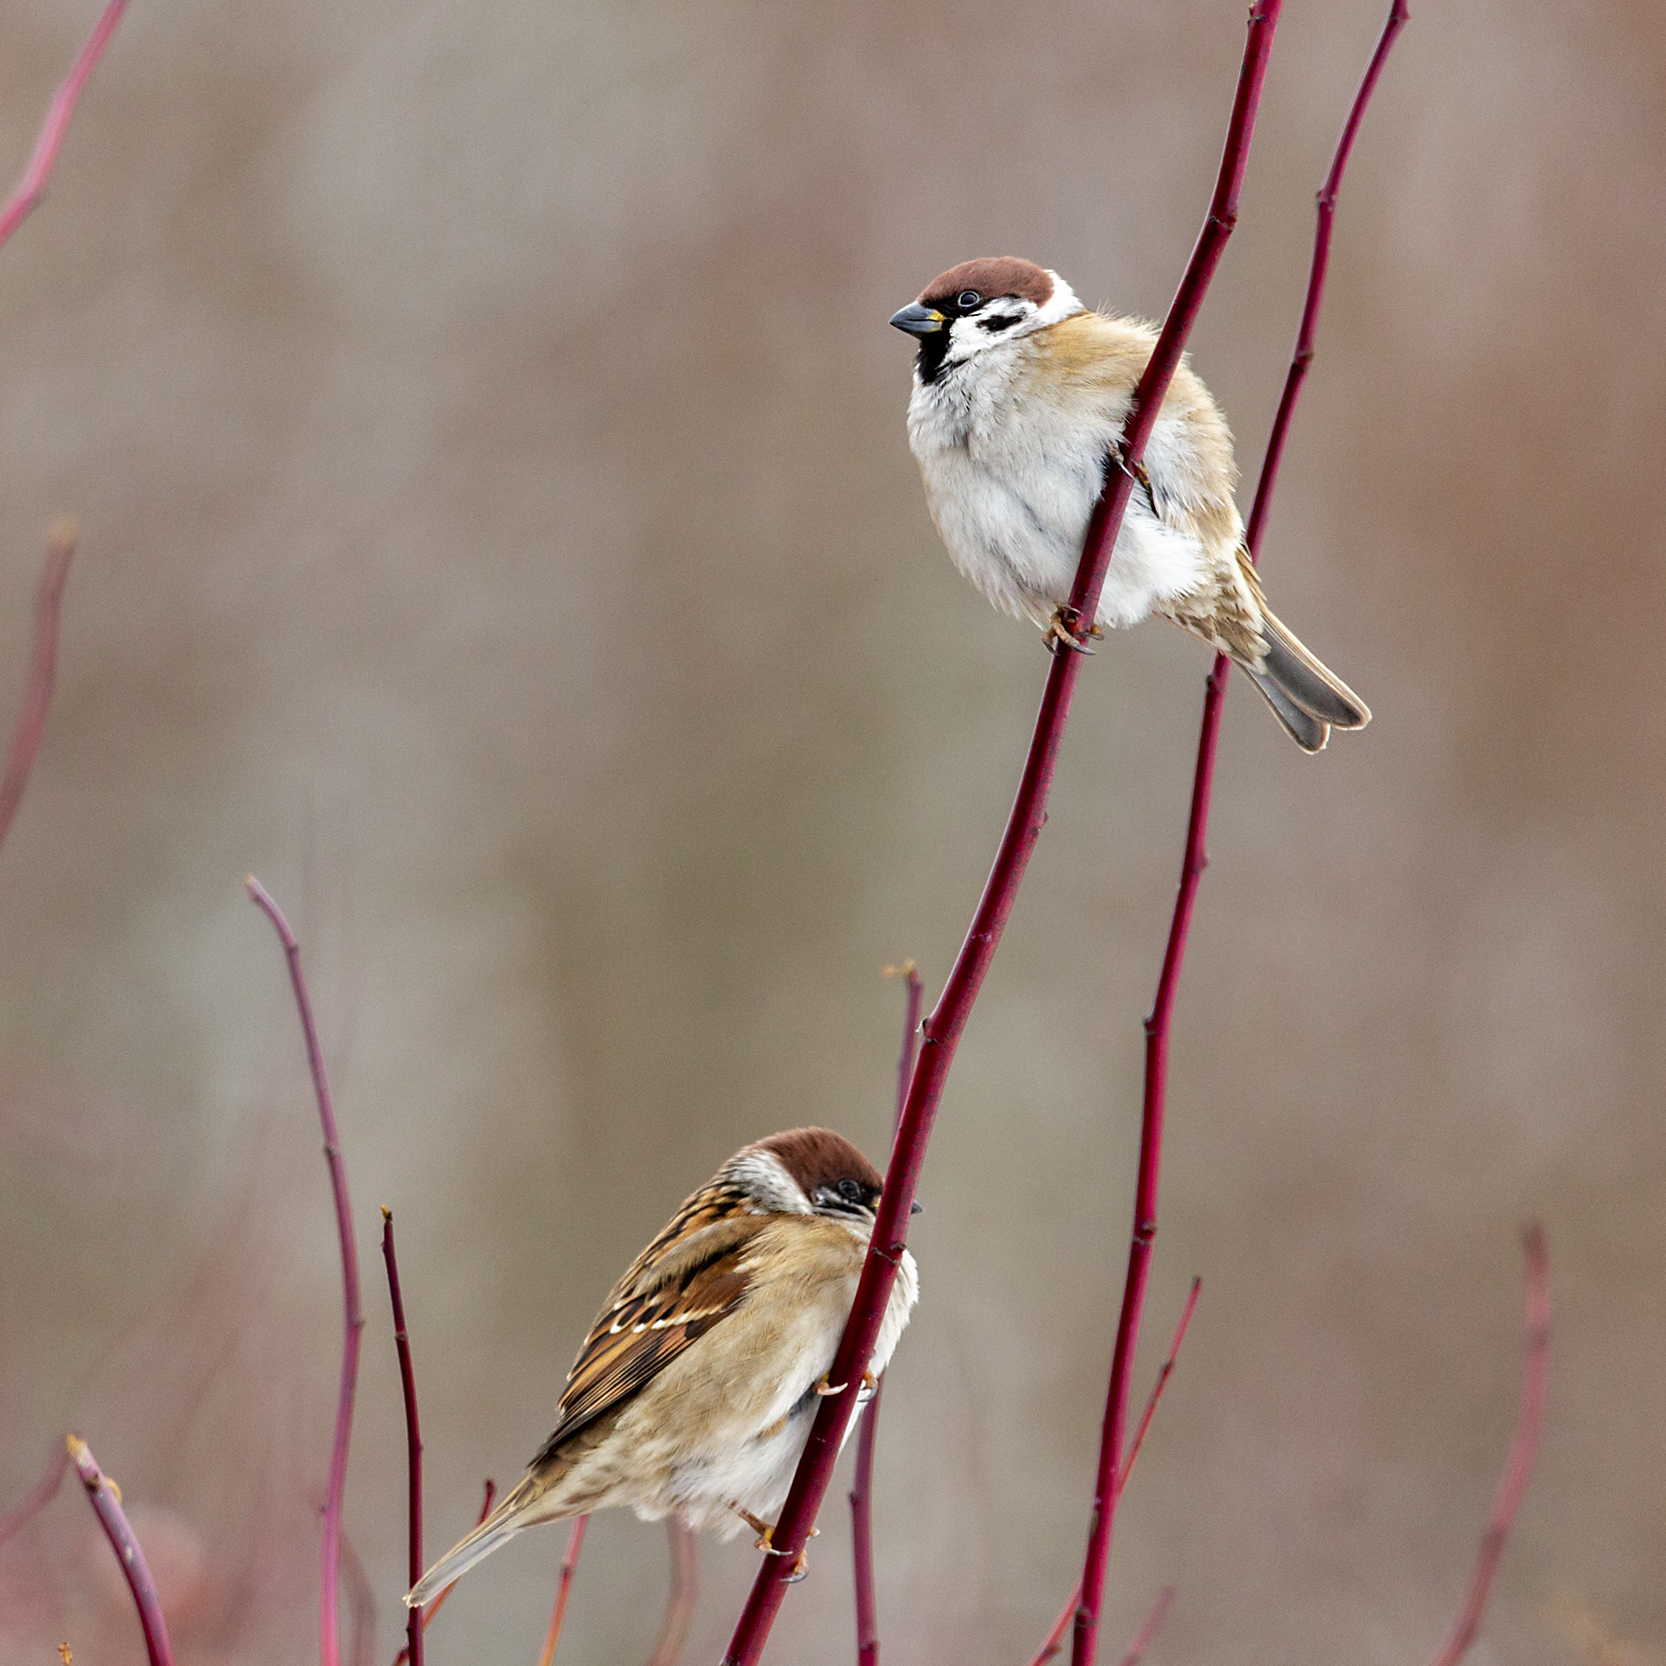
x: 675, y: 1291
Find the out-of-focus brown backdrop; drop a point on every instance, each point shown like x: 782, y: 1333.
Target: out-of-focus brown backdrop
x: 500, y: 535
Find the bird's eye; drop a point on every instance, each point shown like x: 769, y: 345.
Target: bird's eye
x: 967, y: 299
x: 850, y: 1191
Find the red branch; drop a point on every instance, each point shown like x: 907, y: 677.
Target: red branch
x: 43, y: 670
x: 106, y: 1501
x: 38, y: 1496
x: 575, y: 1541
x: 438, y: 1603
x: 1055, y: 1638
x: 1191, y: 872
x: 329, y: 1642
x: 1523, y: 1449
x: 685, y: 1588
x: 362, y: 1600
x: 861, y: 1492
x: 1303, y: 356
x: 1029, y: 812
x: 32, y: 187
x: 1142, y: 1641
x: 413, y: 1440
x: 1161, y: 1383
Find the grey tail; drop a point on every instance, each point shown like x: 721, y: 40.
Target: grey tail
x: 500, y: 1526
x: 1307, y: 697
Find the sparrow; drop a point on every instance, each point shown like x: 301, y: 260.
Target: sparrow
x: 1020, y: 394
x: 695, y: 1390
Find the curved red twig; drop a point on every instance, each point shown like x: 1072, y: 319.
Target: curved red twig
x: 106, y: 1502
x: 414, y: 1622
x: 1518, y: 1467
x: 329, y: 1629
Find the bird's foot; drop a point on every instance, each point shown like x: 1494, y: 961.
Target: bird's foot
x: 1063, y: 628
x: 765, y: 1542
x: 1137, y: 470
x: 825, y: 1388
x: 866, y: 1392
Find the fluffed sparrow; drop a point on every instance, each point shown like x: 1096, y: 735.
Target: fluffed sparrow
x: 694, y: 1392
x: 1020, y: 394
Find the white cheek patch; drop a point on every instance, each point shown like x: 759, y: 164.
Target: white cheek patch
x: 1062, y: 303
x: 764, y: 1176
x: 965, y: 339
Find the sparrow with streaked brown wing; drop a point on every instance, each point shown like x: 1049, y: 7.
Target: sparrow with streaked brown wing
x: 694, y: 1392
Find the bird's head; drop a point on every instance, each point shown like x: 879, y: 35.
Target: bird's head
x: 981, y: 304
x: 808, y: 1171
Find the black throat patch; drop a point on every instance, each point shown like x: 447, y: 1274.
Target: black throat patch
x: 933, y: 350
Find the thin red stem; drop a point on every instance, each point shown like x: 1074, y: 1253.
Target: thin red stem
x: 43, y: 670
x: 1054, y: 1641
x: 1194, y: 862
x: 433, y: 1608
x: 910, y: 973
x: 32, y: 187
x: 106, y: 1502
x: 1161, y: 1383
x: 38, y: 1496
x: 1302, y: 358
x: 329, y: 1639
x: 1518, y: 1467
x: 1029, y: 813
x: 1055, y: 1638
x: 569, y: 1562
x: 861, y: 1492
x: 685, y: 1588
x: 413, y: 1441
x: 1142, y: 1641
x: 362, y: 1600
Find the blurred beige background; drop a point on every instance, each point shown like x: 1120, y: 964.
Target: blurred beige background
x: 499, y: 534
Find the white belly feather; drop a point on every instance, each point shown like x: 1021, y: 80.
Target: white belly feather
x: 1011, y: 481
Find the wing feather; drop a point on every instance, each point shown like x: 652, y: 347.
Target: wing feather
x: 691, y: 1276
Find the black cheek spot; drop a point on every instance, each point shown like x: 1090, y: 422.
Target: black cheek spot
x: 1002, y: 322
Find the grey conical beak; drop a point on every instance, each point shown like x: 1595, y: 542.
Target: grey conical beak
x: 917, y: 320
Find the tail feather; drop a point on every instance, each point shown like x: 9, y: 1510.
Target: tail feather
x: 1306, y: 683
x: 1307, y: 731
x: 501, y: 1525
